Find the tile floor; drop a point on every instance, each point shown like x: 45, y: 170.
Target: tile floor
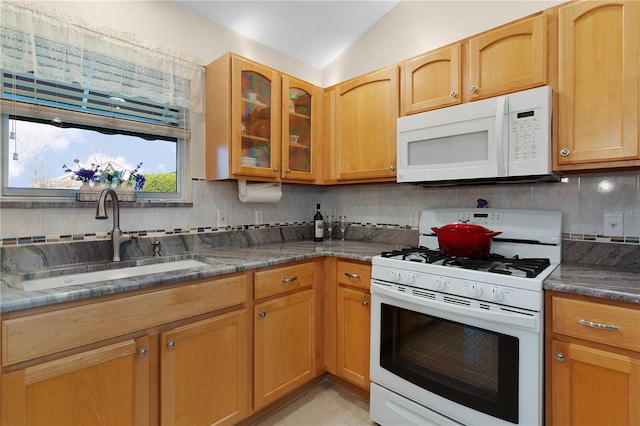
x: 324, y: 405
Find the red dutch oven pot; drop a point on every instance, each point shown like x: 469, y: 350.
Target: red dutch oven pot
x: 465, y: 240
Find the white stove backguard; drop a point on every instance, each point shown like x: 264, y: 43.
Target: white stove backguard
x: 525, y: 233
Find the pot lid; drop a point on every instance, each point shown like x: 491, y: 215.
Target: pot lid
x: 463, y: 226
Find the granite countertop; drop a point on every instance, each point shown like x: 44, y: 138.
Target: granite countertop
x: 223, y: 260
x: 605, y: 282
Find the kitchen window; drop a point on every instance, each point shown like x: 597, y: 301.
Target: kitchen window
x: 46, y: 126
x: 82, y: 97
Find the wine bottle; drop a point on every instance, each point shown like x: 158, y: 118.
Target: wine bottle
x: 318, y: 226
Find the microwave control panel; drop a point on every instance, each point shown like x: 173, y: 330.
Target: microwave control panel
x: 526, y: 138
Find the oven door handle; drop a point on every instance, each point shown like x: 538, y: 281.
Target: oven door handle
x: 527, y: 321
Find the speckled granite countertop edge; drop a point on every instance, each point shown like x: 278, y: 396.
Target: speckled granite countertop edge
x: 221, y: 261
x: 596, y: 281
x: 601, y: 282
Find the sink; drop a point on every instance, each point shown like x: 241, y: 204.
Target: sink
x: 110, y: 274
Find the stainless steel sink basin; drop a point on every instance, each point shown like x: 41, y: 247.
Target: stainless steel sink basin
x: 110, y: 274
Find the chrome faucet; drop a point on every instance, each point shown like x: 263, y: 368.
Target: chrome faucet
x: 117, y: 237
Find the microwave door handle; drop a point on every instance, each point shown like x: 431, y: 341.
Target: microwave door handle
x: 501, y: 110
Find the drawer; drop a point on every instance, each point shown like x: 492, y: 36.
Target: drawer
x: 579, y: 318
x: 353, y: 274
x: 284, y: 279
x: 42, y: 334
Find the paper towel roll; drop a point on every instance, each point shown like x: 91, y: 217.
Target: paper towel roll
x: 259, y: 192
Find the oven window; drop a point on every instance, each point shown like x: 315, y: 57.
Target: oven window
x: 471, y: 366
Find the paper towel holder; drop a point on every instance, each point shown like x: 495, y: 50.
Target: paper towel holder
x: 259, y: 192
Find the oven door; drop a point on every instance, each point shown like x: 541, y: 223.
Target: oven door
x: 472, y: 362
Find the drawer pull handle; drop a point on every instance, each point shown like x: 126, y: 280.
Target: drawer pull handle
x: 350, y: 275
x: 289, y: 280
x: 592, y: 324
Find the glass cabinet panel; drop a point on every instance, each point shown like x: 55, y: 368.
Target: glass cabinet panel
x: 256, y: 120
x: 298, y: 145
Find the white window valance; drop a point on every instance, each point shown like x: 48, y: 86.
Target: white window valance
x: 65, y: 50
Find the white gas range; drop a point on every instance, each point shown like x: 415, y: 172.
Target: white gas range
x: 457, y: 340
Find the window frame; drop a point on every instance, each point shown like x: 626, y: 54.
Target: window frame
x: 23, y: 109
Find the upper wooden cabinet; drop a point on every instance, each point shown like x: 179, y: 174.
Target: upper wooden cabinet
x: 508, y: 59
x: 360, y: 128
x: 431, y: 81
x: 598, y: 85
x: 260, y: 124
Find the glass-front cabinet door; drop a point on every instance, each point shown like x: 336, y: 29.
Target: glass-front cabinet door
x: 255, y: 103
x: 298, y: 137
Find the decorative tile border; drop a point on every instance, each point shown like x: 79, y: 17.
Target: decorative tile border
x: 151, y: 233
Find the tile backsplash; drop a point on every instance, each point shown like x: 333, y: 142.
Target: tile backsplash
x: 585, y: 200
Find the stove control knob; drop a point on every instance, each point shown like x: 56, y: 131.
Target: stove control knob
x: 440, y: 283
x: 496, y: 294
x: 475, y: 290
x: 408, y: 278
x: 394, y: 276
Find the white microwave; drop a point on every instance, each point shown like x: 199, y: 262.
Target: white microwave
x: 501, y: 139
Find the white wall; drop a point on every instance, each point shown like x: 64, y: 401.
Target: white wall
x: 410, y: 28
x: 414, y: 27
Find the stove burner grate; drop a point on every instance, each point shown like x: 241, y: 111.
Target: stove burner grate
x: 494, y: 263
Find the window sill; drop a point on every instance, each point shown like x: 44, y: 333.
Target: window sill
x: 52, y: 204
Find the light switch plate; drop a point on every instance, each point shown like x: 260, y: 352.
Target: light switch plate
x: 223, y: 219
x: 414, y: 218
x: 613, y: 224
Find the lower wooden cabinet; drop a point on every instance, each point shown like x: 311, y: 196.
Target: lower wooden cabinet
x: 353, y: 319
x: 104, y: 386
x: 594, y: 386
x: 593, y: 362
x: 284, y: 336
x: 353, y: 322
x: 204, y: 373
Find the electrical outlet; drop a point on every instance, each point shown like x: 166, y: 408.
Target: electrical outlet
x: 259, y: 217
x: 414, y: 218
x: 613, y: 224
x: 223, y: 219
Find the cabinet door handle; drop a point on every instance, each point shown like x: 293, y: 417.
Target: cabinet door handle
x: 262, y: 314
x: 288, y: 171
x: 365, y: 303
x: 473, y: 89
x: 350, y: 275
x: 611, y: 327
x: 289, y: 280
x: 392, y: 167
x: 560, y: 356
x: 142, y: 352
x: 171, y: 344
x: 565, y: 152
x: 453, y: 94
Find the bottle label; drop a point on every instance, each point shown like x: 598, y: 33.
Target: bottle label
x: 319, y: 229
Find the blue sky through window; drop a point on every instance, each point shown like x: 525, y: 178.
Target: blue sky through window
x: 42, y: 150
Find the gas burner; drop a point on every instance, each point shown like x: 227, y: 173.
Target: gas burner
x: 494, y: 263
x: 415, y: 254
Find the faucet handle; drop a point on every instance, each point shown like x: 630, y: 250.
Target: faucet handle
x: 156, y: 248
